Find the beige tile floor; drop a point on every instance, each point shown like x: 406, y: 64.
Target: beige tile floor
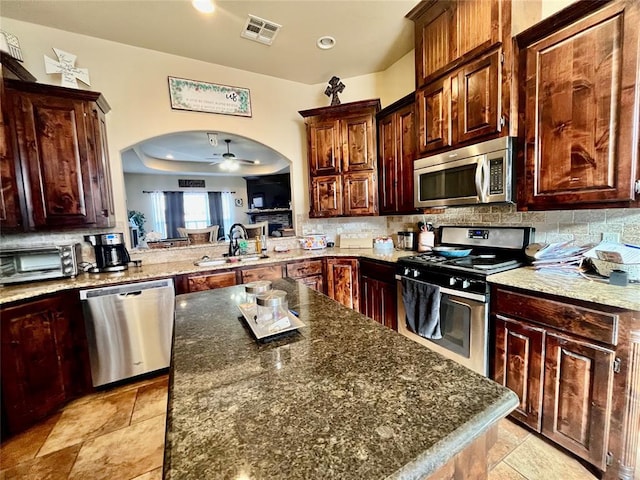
x: 119, y: 434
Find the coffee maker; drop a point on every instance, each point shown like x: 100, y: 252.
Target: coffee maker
x: 111, y: 254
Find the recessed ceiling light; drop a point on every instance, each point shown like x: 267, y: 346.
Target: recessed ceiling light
x: 326, y: 42
x: 256, y: 162
x: 169, y: 156
x: 203, y: 6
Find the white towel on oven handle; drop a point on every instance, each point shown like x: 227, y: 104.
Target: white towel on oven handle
x: 422, y: 308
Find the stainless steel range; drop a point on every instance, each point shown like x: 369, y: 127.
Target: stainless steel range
x: 443, y: 302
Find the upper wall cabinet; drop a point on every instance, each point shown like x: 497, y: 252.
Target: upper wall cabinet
x: 341, y: 145
x: 396, y: 153
x: 463, y: 71
x: 449, y: 33
x: 579, y: 108
x: 56, y: 157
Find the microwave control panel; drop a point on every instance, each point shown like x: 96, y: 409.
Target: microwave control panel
x: 496, y: 176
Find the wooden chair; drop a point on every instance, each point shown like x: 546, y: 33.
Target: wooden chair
x: 199, y: 236
x: 256, y: 229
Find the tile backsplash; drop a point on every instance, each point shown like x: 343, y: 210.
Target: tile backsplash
x: 582, y: 226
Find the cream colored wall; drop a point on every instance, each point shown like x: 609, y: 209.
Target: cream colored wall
x: 526, y: 13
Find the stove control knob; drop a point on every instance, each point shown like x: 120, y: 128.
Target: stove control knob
x: 452, y: 281
x: 466, y: 283
x: 416, y: 273
x: 406, y: 271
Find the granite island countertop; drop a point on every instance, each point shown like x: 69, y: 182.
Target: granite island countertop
x: 570, y: 286
x: 341, y: 398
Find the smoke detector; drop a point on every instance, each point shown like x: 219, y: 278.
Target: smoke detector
x: 260, y: 30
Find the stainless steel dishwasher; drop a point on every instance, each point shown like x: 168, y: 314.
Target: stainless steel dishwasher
x: 129, y: 329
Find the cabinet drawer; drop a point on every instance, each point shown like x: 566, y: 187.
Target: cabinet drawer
x: 304, y: 269
x: 209, y: 281
x: 273, y: 272
x: 582, y: 321
x: 379, y: 271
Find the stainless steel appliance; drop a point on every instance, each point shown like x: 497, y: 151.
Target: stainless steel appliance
x: 111, y: 254
x: 477, y: 174
x: 463, y: 288
x: 42, y: 262
x: 129, y: 329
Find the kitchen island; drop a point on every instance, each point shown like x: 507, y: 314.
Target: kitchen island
x: 342, y: 397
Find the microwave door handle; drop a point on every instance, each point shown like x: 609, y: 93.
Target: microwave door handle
x: 486, y: 178
x: 480, y: 180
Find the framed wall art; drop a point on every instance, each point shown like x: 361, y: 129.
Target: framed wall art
x: 207, y: 97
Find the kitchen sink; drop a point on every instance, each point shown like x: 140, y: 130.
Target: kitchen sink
x: 210, y: 262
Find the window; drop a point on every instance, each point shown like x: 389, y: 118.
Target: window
x: 196, y: 210
x: 157, y: 213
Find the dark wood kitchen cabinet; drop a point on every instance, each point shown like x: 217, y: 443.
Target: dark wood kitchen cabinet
x: 198, y: 282
x: 461, y: 107
x: 463, y: 72
x: 59, y: 140
x: 574, y: 366
x: 342, y: 281
x: 448, y: 33
x: 396, y: 154
x: 309, y: 272
x: 341, y: 148
x: 579, y: 106
x: 45, y: 360
x: 378, y: 292
x: 267, y: 272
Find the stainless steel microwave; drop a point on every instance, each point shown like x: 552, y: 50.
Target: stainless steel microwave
x: 42, y: 262
x: 477, y: 174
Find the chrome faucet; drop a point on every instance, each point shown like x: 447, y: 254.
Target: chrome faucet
x: 234, y: 234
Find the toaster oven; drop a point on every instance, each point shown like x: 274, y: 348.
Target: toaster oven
x: 42, y: 262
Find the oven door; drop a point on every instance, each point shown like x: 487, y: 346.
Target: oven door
x: 464, y: 322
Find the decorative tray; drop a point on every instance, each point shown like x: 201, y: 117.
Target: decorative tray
x: 266, y: 330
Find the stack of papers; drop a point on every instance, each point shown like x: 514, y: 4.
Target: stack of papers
x: 615, y: 252
x: 560, y: 256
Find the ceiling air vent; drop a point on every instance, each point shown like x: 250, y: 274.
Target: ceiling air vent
x: 260, y: 30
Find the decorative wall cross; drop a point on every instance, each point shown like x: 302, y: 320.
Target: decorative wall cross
x: 335, y: 87
x: 66, y: 66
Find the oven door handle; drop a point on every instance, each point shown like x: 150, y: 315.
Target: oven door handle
x: 457, y: 293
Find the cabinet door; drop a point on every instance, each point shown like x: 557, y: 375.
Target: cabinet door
x: 270, y: 272
x: 378, y: 301
x: 435, y: 40
x: 10, y: 207
x: 478, y: 25
x: 358, y: 152
x: 324, y: 147
x: 518, y: 366
x: 314, y: 281
x: 60, y: 166
x: 33, y: 385
x: 360, y: 193
x: 581, y: 112
x: 105, y: 212
x: 387, y: 164
x: 434, y: 115
x: 478, y: 98
x: 209, y: 281
x: 326, y: 196
x: 577, y: 397
x: 397, y: 147
x: 342, y: 281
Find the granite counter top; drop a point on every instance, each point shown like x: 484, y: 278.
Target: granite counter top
x: 575, y: 287
x: 12, y: 293
x: 341, y: 398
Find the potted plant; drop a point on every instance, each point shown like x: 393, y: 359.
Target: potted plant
x: 137, y: 219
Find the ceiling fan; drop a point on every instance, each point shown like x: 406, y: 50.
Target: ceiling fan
x: 230, y: 161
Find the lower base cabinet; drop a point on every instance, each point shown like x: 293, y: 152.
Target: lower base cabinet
x: 309, y: 272
x: 342, y: 281
x: 378, y: 293
x: 575, y: 367
x: 45, y: 360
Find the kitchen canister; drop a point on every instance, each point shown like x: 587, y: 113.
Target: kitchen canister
x: 252, y: 289
x: 271, y: 307
x: 426, y: 241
